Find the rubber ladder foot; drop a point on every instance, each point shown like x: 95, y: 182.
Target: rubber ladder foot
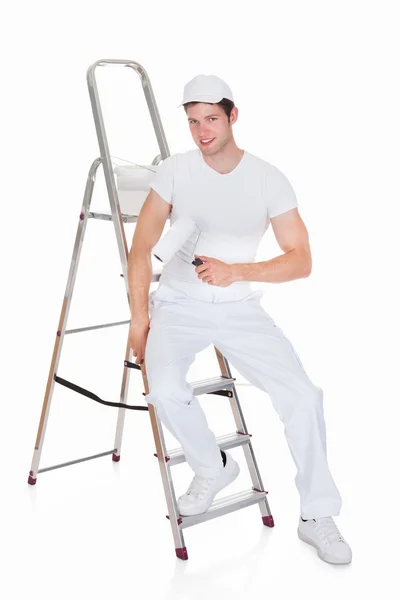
x: 116, y: 457
x: 31, y: 480
x: 268, y: 521
x: 182, y: 553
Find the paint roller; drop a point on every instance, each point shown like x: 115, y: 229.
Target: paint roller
x: 181, y: 240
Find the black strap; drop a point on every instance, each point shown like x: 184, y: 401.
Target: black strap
x: 131, y: 365
x: 80, y: 390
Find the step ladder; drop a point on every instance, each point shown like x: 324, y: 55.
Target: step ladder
x: 223, y: 385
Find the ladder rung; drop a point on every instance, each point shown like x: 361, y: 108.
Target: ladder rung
x: 108, y: 216
x: 96, y: 327
x: 74, y: 462
x: 155, y: 276
x: 205, y: 386
x: 230, y: 440
x: 224, y: 506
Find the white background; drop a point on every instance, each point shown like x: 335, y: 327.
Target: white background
x: 316, y: 85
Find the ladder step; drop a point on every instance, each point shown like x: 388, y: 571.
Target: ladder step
x: 224, y: 506
x: 205, y: 386
x: 230, y: 440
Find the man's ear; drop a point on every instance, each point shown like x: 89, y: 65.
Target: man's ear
x: 234, y: 114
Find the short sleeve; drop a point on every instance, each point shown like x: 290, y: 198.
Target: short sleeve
x: 163, y: 179
x: 280, y: 193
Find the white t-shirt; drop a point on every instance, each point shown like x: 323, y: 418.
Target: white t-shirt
x: 233, y: 211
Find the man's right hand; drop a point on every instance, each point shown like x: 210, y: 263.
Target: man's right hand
x: 138, y: 332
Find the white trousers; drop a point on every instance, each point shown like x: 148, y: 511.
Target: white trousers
x: 180, y: 327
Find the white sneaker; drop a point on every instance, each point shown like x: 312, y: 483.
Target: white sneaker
x: 201, y: 492
x: 324, y: 535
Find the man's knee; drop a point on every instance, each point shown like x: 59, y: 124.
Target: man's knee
x: 312, y: 401
x: 166, y: 392
x: 307, y: 402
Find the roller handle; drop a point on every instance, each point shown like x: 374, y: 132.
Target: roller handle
x: 197, y: 262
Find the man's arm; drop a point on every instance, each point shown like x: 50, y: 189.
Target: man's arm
x: 296, y: 262
x: 148, y: 230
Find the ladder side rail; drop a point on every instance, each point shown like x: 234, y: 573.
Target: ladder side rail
x: 241, y: 425
x: 173, y: 512
x: 63, y: 319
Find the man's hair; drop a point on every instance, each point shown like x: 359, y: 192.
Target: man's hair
x: 226, y: 104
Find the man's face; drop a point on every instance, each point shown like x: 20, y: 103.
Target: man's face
x: 209, y: 121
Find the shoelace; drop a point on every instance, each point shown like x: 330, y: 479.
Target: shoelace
x: 199, y: 486
x: 326, y: 528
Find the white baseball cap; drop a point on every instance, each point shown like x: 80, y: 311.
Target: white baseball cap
x: 206, y: 88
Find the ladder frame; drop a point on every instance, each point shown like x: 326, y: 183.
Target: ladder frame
x: 222, y: 385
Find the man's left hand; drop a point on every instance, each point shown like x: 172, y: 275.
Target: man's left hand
x: 215, y: 271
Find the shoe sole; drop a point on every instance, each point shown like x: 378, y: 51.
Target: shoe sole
x: 233, y: 476
x: 332, y: 560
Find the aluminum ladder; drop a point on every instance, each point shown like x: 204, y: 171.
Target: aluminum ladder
x: 222, y: 385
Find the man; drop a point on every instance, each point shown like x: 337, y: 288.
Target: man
x: 233, y: 196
